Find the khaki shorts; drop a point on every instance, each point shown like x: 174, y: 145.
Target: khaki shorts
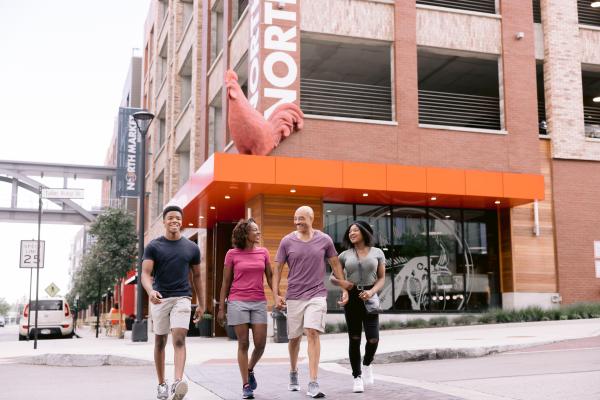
x: 302, y: 314
x: 172, y: 312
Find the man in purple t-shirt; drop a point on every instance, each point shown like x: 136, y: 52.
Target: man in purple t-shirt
x: 305, y: 251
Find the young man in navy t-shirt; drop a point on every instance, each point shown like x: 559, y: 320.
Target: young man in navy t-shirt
x: 169, y: 259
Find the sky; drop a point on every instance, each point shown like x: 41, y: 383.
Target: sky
x: 64, y: 64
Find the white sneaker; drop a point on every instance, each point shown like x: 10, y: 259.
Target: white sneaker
x: 358, y: 386
x: 367, y: 373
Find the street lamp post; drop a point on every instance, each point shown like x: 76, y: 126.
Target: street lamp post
x: 139, y: 333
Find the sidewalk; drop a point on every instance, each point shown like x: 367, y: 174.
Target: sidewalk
x: 220, y: 353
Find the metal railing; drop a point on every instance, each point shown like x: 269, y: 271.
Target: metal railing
x: 484, y: 6
x: 342, y: 99
x: 587, y: 14
x: 457, y: 109
x: 592, y: 121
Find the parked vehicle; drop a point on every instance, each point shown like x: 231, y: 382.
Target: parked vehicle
x: 2, y: 321
x: 54, y: 319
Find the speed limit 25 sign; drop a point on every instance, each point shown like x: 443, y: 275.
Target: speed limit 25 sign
x: 29, y: 254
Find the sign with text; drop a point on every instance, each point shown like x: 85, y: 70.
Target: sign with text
x: 128, y: 154
x: 62, y: 193
x: 274, y: 54
x: 29, y: 254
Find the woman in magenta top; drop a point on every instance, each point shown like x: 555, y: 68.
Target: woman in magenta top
x: 245, y: 265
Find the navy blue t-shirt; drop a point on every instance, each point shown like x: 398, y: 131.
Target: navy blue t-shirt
x: 172, y: 262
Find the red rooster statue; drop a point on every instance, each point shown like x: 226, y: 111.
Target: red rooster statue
x: 251, y: 133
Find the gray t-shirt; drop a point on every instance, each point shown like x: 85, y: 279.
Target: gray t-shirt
x: 306, y: 262
x: 368, y: 265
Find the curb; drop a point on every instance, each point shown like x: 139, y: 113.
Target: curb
x: 82, y: 360
x: 445, y: 353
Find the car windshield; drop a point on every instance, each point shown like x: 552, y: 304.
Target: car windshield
x: 47, y: 305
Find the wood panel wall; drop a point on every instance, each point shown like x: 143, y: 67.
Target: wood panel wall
x: 275, y: 217
x: 534, y: 257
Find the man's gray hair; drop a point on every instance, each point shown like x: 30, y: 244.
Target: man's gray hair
x: 306, y: 210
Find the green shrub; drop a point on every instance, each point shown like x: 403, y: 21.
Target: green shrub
x: 488, y: 318
x: 416, y: 323
x: 439, y: 321
x: 465, y: 320
x: 392, y: 325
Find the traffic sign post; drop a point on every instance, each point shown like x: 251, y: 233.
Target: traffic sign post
x: 62, y: 193
x: 52, y: 290
x: 29, y: 254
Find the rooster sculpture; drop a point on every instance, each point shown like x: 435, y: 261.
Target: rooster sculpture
x: 251, y: 133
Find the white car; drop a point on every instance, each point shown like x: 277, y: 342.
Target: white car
x: 54, y: 319
x: 2, y: 321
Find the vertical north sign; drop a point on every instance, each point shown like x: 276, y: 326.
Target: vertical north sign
x: 128, y: 154
x: 274, y: 54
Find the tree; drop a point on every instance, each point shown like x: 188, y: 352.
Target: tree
x: 109, y: 258
x: 4, y: 306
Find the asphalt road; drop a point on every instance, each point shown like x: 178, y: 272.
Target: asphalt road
x: 566, y: 371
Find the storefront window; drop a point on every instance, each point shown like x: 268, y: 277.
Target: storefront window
x: 481, y: 243
x: 379, y: 218
x: 448, y: 265
x: 436, y: 259
x: 410, y: 284
x: 337, y: 218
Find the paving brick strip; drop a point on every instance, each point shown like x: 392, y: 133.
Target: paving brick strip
x: 224, y: 381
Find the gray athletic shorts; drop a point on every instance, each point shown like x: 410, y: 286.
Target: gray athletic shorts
x: 246, y: 312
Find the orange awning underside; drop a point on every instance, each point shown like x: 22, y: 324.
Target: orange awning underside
x: 242, y: 177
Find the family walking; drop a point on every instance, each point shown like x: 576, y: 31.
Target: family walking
x: 359, y: 271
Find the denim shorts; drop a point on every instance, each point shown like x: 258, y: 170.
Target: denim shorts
x: 246, y: 312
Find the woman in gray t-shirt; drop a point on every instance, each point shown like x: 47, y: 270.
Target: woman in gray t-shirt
x: 364, y: 266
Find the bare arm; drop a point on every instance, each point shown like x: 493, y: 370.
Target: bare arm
x: 340, y: 279
x: 269, y: 274
x: 225, y: 286
x: 278, y: 301
x: 147, y: 268
x: 197, y: 284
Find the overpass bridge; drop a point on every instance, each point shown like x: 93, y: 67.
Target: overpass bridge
x: 24, y: 175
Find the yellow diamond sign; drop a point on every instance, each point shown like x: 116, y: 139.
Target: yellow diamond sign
x: 52, y: 290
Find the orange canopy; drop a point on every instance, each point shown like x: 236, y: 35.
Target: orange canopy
x: 219, y: 190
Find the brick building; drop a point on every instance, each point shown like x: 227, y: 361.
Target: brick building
x: 465, y: 132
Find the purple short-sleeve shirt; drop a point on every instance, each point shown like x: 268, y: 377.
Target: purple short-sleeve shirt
x: 306, y: 262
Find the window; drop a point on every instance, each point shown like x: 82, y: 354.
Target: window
x: 216, y: 31
x: 239, y: 6
x: 597, y: 257
x: 185, y: 75
x: 215, y: 126
x: 590, y: 78
x: 188, y: 11
x: 484, y: 6
x: 162, y: 61
x: 588, y: 14
x: 436, y: 259
x: 162, y: 128
x: 458, y: 89
x: 537, y: 12
x: 163, y: 9
x: 183, y: 152
x: 159, y: 191
x: 348, y: 80
x: 541, y: 99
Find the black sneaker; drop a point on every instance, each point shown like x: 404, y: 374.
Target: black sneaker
x: 252, y: 380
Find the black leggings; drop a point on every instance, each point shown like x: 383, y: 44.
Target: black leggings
x: 357, y: 318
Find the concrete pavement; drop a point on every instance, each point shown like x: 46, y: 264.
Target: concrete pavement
x: 211, y: 361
